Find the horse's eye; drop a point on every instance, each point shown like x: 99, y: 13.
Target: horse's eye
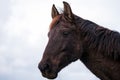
x: 65, y: 33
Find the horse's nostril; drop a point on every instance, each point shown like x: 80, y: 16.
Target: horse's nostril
x: 43, y: 67
x: 39, y: 67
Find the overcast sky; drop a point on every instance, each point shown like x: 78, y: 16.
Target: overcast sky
x: 23, y: 35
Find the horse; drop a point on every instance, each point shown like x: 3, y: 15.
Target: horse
x: 73, y: 38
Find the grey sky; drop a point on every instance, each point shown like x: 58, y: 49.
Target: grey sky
x: 23, y: 35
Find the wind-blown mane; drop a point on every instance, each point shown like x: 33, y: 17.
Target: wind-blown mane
x: 101, y: 39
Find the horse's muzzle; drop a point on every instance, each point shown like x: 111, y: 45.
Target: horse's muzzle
x: 47, y: 71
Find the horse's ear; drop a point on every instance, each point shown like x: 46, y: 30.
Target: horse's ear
x: 67, y: 11
x: 54, y: 12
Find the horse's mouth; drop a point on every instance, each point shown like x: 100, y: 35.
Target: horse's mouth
x: 49, y: 75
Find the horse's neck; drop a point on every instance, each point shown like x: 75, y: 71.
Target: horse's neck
x: 95, y: 60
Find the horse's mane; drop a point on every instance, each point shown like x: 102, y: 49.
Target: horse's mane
x: 103, y: 40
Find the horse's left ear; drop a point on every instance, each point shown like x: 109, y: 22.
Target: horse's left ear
x: 68, y: 12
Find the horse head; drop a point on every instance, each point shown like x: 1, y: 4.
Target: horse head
x: 64, y: 45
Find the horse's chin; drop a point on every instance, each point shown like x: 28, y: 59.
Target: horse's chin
x: 50, y: 75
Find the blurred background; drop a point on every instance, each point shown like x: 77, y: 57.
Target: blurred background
x: 23, y: 35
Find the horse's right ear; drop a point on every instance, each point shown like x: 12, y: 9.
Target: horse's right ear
x: 54, y: 12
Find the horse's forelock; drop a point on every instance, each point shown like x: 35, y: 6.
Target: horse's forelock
x: 54, y: 21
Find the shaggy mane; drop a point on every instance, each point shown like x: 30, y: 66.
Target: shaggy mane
x: 101, y: 39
